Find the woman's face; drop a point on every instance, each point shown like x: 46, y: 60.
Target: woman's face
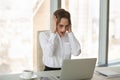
x: 63, y: 26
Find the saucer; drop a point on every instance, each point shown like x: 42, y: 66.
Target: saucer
x: 22, y: 77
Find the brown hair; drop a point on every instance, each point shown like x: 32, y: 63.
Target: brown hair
x: 61, y: 13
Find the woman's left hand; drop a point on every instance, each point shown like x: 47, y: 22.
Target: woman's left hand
x: 69, y: 29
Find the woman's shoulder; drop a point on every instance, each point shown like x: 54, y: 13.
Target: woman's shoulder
x: 44, y: 33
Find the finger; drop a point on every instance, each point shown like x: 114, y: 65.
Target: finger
x: 70, y: 29
x: 54, y: 23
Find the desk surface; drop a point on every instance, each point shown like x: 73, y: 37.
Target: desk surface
x: 96, y: 76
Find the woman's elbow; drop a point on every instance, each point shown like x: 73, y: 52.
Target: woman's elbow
x: 77, y: 53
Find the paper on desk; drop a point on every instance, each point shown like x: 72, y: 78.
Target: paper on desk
x: 108, y: 73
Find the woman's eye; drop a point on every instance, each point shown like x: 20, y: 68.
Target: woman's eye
x: 67, y: 27
x: 61, y: 26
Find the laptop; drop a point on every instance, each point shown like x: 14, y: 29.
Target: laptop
x: 76, y: 69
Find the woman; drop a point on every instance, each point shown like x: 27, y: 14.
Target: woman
x: 60, y: 43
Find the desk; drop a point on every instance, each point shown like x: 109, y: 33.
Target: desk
x: 96, y: 76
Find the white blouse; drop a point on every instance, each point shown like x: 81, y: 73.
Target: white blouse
x: 55, y: 48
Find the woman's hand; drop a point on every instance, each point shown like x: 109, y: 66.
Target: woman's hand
x: 69, y: 29
x: 54, y: 19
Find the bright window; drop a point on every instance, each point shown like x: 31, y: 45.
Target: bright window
x: 16, y: 30
x: 85, y: 24
x: 114, y: 32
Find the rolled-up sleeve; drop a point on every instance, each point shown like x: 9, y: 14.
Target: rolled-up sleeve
x: 47, y: 43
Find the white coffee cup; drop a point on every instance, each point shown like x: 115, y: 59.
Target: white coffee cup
x: 27, y: 74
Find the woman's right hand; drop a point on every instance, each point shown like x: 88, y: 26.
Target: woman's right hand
x: 54, y: 19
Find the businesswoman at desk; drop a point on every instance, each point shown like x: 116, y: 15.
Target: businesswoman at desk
x: 59, y: 43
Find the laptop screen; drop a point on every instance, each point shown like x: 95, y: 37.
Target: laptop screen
x: 74, y: 69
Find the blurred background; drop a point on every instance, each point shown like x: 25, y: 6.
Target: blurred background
x: 21, y: 19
